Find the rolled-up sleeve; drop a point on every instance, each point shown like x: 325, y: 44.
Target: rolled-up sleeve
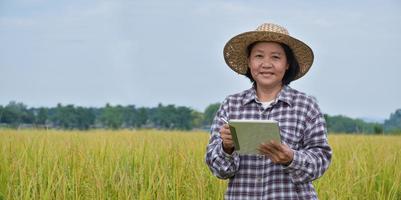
x: 221, y: 164
x: 313, y: 159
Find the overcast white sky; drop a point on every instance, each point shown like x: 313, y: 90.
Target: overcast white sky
x: 90, y: 52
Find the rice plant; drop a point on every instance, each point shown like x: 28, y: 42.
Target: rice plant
x: 151, y: 164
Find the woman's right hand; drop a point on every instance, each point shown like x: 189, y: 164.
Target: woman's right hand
x: 225, y: 134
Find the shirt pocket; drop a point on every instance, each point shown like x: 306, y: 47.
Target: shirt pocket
x: 291, y: 136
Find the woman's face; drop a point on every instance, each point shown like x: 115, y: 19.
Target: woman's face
x: 268, y: 63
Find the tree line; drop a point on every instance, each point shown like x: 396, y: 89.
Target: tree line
x: 17, y: 115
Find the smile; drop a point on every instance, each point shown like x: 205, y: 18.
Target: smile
x: 266, y: 73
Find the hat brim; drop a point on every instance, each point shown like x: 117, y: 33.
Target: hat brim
x: 235, y: 51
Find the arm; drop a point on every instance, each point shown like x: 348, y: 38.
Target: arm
x: 222, y: 164
x: 313, y: 159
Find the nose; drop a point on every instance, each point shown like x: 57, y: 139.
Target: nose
x: 266, y: 64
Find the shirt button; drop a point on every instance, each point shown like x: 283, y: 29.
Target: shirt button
x: 259, y: 179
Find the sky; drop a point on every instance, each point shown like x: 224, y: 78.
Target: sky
x: 128, y: 52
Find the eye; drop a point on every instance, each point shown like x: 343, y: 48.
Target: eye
x: 258, y: 56
x: 276, y: 57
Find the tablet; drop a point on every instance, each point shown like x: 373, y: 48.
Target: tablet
x: 249, y: 134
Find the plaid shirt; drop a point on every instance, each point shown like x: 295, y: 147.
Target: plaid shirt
x: 302, y: 128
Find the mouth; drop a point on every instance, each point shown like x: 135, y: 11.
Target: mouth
x: 266, y: 73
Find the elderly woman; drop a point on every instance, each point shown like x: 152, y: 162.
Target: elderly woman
x: 271, y: 59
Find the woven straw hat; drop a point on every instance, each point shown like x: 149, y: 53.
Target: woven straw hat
x: 235, y: 51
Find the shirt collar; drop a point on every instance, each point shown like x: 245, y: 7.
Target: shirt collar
x: 284, y: 95
x: 250, y: 95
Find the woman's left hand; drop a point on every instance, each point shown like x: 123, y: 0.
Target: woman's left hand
x: 277, y: 152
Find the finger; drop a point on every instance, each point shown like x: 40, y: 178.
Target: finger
x: 266, y: 149
x: 283, y: 149
x: 279, y: 153
x: 270, y: 147
x: 274, y: 143
x: 225, y: 135
x: 276, y: 147
x: 261, y: 148
x: 228, y: 143
x: 227, y: 138
x: 274, y: 154
x: 284, y: 152
x: 225, y: 131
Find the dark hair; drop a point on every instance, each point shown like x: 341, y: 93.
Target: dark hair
x: 292, y: 71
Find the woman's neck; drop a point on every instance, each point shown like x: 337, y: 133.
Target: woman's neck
x: 267, y: 93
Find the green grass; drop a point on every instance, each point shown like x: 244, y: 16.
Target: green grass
x: 37, y: 164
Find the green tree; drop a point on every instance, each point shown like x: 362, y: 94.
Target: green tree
x: 210, y: 112
x: 42, y: 116
x: 343, y: 124
x: 163, y: 116
x: 129, y: 116
x: 378, y: 129
x: 65, y: 116
x: 141, y: 117
x: 393, y: 124
x: 112, y: 116
x: 197, y: 119
x: 1, y: 113
x: 85, y: 118
x: 183, y: 118
x: 170, y: 117
x: 16, y: 113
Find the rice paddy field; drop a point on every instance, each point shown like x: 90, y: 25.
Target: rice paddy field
x: 99, y: 164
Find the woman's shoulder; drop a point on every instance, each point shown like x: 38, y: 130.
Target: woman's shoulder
x: 301, y: 97
x: 305, y: 102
